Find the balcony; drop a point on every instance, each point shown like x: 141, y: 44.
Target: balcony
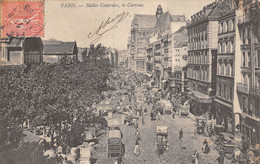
x: 243, y: 88
x: 255, y: 90
x: 243, y: 19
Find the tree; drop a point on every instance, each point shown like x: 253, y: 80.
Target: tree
x: 50, y: 94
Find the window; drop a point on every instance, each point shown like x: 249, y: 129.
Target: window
x: 228, y: 70
x: 223, y: 47
x: 224, y: 27
x: 228, y: 47
x: 258, y: 57
x: 244, y: 36
x: 250, y: 79
x: 232, y: 48
x: 224, y: 91
x: 225, y: 69
x: 221, y: 28
x: 231, y: 94
x: 233, y: 23
x: 249, y: 35
x: 219, y: 68
x: 222, y: 69
x: 219, y: 48
x: 219, y: 90
x: 231, y: 69
x: 244, y: 59
x: 249, y: 59
x: 244, y: 104
x: 227, y: 22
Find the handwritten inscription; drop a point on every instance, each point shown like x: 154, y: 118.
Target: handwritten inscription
x: 22, y: 18
x: 106, y: 26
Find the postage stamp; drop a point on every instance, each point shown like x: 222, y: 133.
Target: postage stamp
x: 22, y: 18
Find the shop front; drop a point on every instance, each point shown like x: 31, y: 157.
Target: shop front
x: 200, y: 103
x: 250, y: 128
x: 224, y: 116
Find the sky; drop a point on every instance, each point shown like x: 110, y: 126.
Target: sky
x: 75, y: 23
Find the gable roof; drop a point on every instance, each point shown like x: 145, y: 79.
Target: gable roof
x: 166, y: 18
x: 221, y: 9
x: 59, y: 48
x: 144, y: 21
x: 181, y: 37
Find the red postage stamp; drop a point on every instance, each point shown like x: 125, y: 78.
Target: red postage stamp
x: 22, y: 19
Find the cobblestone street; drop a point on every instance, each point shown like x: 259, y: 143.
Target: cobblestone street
x: 176, y: 152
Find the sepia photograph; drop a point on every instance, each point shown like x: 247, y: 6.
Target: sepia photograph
x: 129, y: 81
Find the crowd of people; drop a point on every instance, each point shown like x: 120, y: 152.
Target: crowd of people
x: 146, y: 104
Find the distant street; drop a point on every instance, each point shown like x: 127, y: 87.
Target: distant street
x: 180, y: 151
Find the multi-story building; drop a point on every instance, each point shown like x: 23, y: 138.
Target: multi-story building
x: 248, y: 69
x: 141, y: 29
x: 225, y: 72
x: 122, y: 57
x: 202, y: 55
x: 179, y: 60
x: 165, y: 26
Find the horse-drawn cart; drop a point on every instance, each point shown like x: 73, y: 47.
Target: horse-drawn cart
x: 162, y: 139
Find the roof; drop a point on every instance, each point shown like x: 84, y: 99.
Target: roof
x: 213, y: 11
x: 59, y: 48
x: 181, y: 37
x: 145, y: 21
x: 222, y: 8
x: 166, y: 19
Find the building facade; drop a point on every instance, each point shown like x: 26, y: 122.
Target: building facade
x: 247, y: 73
x: 122, y: 57
x: 225, y: 72
x: 18, y: 51
x: 202, y: 56
x: 142, y: 28
x: 179, y: 60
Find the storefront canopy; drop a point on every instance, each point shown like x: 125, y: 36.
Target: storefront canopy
x: 199, y: 97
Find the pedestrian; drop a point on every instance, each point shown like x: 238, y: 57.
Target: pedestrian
x: 180, y: 134
x: 160, y: 148
x: 158, y: 116
x: 137, y: 149
x: 221, y: 157
x: 195, y: 157
x: 143, y: 120
x: 145, y: 111
x: 173, y: 115
x: 205, y: 147
x: 152, y: 115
